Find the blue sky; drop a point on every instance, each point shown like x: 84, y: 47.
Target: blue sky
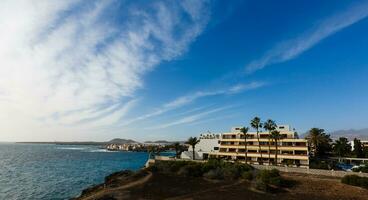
x: 96, y: 70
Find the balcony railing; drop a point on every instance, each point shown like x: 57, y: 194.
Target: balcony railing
x: 264, y: 154
x: 262, y: 145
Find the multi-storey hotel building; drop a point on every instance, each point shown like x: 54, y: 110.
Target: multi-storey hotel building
x: 291, y: 150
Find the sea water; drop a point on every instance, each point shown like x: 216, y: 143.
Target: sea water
x: 43, y: 171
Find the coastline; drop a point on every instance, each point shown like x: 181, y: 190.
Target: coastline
x: 58, y: 171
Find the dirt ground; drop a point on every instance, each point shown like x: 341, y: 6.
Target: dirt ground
x: 163, y: 186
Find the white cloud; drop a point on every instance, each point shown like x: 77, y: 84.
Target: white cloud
x: 190, y: 118
x: 187, y: 99
x: 65, y: 62
x: 290, y: 49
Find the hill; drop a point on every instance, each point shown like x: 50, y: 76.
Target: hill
x: 121, y: 141
x: 351, y: 134
x: 113, y: 141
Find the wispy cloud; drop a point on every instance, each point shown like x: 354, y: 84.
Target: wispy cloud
x: 216, y: 118
x: 188, y: 99
x: 290, y: 49
x: 190, y: 118
x: 64, y: 61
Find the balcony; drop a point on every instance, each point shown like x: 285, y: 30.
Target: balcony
x: 264, y: 155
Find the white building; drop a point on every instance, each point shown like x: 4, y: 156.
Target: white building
x: 208, y: 143
x: 259, y: 148
x: 363, y: 142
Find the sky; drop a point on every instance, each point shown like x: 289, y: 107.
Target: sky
x: 149, y: 70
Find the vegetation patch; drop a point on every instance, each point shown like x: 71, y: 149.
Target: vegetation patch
x: 355, y: 181
x: 272, y: 181
x: 265, y: 180
x: 213, y: 169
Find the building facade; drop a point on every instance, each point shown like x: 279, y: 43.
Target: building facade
x: 208, y: 143
x: 363, y: 142
x: 291, y: 150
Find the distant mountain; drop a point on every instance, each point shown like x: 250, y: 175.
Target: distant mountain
x: 113, y: 141
x: 361, y: 134
x: 121, y: 141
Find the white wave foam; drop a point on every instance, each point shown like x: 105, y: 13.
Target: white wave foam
x: 101, y: 150
x: 71, y: 148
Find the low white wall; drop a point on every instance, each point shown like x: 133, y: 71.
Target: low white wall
x: 321, y: 172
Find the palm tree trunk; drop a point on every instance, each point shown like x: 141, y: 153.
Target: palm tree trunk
x: 245, y: 148
x: 259, y: 147
x: 276, y: 152
x: 269, y: 149
x: 193, y: 153
x: 269, y: 152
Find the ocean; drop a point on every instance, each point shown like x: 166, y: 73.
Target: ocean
x: 43, y: 171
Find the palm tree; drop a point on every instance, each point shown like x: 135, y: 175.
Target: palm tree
x: 177, y: 149
x: 256, y: 124
x: 193, y: 141
x: 275, y: 135
x: 244, y: 130
x: 153, y: 151
x: 358, y: 148
x: 341, y: 147
x: 269, y: 126
x: 319, y: 142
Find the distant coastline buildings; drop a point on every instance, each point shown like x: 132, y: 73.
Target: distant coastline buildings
x: 125, y: 147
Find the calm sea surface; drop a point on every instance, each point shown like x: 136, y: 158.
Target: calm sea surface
x: 40, y: 171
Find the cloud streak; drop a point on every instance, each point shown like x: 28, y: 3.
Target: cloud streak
x: 191, y: 118
x: 188, y: 99
x: 65, y: 62
x: 290, y: 49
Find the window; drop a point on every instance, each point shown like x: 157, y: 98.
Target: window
x: 215, y: 148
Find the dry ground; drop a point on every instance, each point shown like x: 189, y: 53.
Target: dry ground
x: 163, y: 186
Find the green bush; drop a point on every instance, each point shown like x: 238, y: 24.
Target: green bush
x: 217, y: 173
x: 214, y: 168
x: 266, y: 178
x: 247, y: 175
x: 212, y: 164
x: 243, y: 167
x: 191, y: 169
x: 170, y: 166
x: 355, y: 180
x: 260, y: 185
x: 152, y: 168
x: 231, y: 172
x: 267, y: 175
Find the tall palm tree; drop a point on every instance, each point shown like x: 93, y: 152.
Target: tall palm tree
x: 319, y: 142
x: 244, y: 130
x: 275, y: 135
x: 153, y: 151
x: 193, y: 141
x: 341, y: 147
x: 256, y: 124
x: 269, y: 126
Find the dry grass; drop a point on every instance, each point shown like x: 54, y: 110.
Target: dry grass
x: 166, y: 186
